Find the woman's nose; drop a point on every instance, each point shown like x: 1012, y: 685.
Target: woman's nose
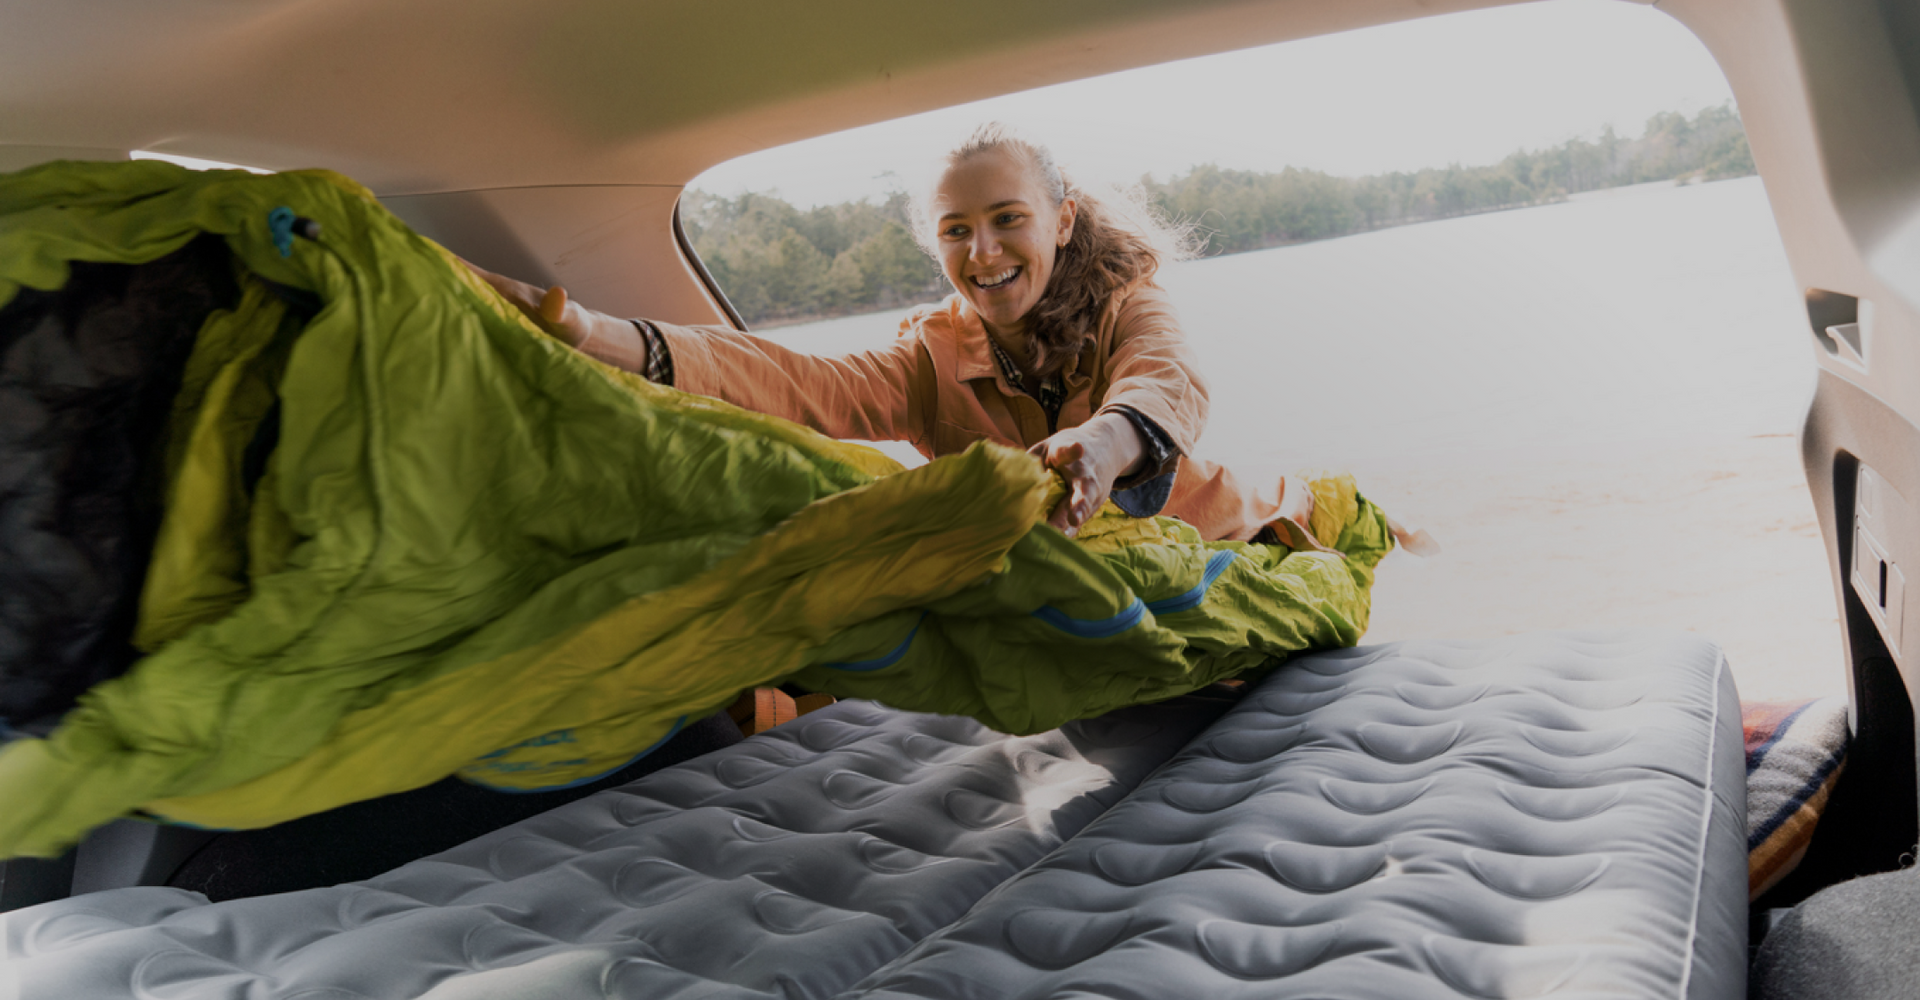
x: 985, y: 248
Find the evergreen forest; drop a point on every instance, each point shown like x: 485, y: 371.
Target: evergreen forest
x: 781, y: 264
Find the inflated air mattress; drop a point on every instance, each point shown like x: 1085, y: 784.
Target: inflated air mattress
x: 1554, y: 815
x: 1551, y: 815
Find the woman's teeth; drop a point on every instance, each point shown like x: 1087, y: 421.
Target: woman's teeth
x: 998, y: 280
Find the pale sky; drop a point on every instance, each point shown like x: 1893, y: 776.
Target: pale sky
x: 1462, y: 88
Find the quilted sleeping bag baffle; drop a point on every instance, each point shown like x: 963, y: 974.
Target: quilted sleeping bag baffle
x: 404, y: 534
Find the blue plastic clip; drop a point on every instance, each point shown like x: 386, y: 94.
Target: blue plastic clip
x: 280, y: 222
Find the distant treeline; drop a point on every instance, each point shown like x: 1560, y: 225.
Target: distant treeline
x: 1239, y: 210
x: 778, y: 263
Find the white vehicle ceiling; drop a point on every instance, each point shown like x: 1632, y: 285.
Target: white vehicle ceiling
x: 439, y: 95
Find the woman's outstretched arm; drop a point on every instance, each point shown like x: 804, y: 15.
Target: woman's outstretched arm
x: 881, y: 395
x: 878, y: 395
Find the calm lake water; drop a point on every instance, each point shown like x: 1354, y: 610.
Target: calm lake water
x: 1639, y: 315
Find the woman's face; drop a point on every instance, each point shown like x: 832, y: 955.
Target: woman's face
x: 998, y: 233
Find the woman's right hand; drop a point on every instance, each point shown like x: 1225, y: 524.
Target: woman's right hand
x: 594, y: 333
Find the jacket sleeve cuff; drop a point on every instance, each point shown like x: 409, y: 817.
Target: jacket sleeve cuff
x: 1148, y: 498
x: 1159, y: 456
x: 658, y: 368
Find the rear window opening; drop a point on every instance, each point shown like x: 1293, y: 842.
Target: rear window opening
x: 1577, y: 357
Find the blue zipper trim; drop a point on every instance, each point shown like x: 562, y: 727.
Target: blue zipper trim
x: 880, y: 662
x: 577, y: 782
x: 1097, y: 629
x: 1216, y: 565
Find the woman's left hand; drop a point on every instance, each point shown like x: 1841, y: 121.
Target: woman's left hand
x: 1090, y: 458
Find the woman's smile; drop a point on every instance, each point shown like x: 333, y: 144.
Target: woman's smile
x: 996, y: 282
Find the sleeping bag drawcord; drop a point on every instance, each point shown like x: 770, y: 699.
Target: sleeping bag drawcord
x: 285, y: 226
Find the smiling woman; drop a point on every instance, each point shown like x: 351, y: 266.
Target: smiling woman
x: 1004, y: 230
x: 1056, y: 340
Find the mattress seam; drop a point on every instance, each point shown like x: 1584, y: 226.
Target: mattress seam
x: 1690, y: 956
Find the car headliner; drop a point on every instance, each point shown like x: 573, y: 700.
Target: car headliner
x: 439, y: 95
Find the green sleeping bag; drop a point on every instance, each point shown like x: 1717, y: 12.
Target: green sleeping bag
x: 476, y: 551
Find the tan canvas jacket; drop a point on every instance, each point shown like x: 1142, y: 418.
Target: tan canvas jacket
x: 937, y: 387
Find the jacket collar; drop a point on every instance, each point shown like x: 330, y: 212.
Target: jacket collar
x: 973, y: 357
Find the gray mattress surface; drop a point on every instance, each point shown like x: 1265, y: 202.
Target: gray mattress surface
x: 1548, y: 815
x: 1535, y: 816
x: 788, y: 865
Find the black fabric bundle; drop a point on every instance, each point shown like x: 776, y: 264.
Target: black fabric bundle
x: 88, y: 374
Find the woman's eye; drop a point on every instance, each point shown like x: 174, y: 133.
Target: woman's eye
x: 954, y: 232
x: 1006, y: 218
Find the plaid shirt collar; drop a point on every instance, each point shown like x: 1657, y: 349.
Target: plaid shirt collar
x: 1051, y: 395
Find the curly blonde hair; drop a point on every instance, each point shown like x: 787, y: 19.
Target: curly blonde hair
x: 1119, y: 241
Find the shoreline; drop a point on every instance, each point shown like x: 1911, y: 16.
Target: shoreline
x: 1588, y: 196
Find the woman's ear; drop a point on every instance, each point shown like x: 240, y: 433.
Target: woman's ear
x: 1068, y: 209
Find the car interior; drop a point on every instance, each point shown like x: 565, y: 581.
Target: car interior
x: 1594, y: 844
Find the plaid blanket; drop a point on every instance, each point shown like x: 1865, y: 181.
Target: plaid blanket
x: 1795, y: 751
